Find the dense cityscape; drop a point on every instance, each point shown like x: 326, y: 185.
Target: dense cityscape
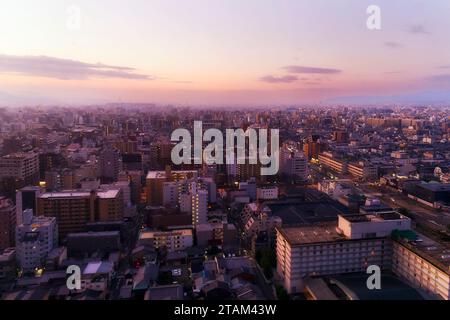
x: 95, y: 188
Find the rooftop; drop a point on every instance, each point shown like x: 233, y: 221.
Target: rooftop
x: 435, y: 187
x: 162, y: 174
x: 98, y: 267
x: 392, y: 287
x: 108, y: 194
x: 311, y: 234
x: 294, y: 212
x: 65, y: 194
x: 93, y: 234
x: 434, y: 252
x: 149, y: 234
x: 374, y: 217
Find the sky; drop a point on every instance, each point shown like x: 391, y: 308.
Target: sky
x: 220, y: 52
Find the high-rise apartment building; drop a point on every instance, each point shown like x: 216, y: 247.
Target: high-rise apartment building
x: 22, y: 167
x: 35, y: 238
x: 73, y: 208
x: 195, y: 201
x: 109, y: 164
x: 355, y: 243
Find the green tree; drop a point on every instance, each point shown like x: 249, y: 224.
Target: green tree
x: 281, y: 293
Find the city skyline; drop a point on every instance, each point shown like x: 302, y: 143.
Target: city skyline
x: 223, y: 53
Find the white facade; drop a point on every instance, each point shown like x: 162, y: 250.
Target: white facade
x: 195, y: 201
x: 267, y: 193
x: 409, y: 264
x: 176, y: 240
x: 371, y: 226
x: 335, y: 188
x: 35, y: 238
x: 357, y: 242
x: 199, y: 207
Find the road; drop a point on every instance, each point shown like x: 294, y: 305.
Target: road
x: 429, y: 217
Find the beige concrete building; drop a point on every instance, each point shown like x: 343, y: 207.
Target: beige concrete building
x: 172, y: 241
x: 356, y: 242
x: 425, y: 264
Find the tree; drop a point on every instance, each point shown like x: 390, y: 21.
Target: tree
x: 268, y: 273
x: 281, y: 293
x: 258, y: 256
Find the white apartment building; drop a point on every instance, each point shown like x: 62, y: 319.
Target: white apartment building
x: 195, y: 201
x: 425, y: 264
x: 355, y: 243
x: 267, y: 193
x: 335, y: 188
x: 175, y: 240
x: 97, y: 275
x: 35, y: 238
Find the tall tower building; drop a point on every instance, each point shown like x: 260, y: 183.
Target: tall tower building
x: 26, y: 198
x: 110, y: 164
x: 199, y: 198
x: 195, y: 201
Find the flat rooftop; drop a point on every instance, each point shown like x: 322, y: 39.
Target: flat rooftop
x: 295, y: 212
x: 435, y: 187
x: 149, y: 234
x: 108, y: 194
x: 93, y: 234
x: 98, y: 267
x: 65, y: 194
x: 311, y: 234
x: 429, y: 249
x: 162, y: 174
x: 355, y: 218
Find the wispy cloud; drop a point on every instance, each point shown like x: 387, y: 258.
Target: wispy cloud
x: 281, y: 79
x: 65, y: 69
x: 303, y: 69
x: 393, y: 44
x: 418, y: 29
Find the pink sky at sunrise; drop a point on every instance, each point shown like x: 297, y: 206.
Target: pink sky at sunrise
x: 220, y: 51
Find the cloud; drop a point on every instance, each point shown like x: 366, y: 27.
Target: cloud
x: 64, y: 69
x: 282, y: 79
x: 302, y: 69
x: 418, y: 29
x: 444, y: 67
x: 393, y: 44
